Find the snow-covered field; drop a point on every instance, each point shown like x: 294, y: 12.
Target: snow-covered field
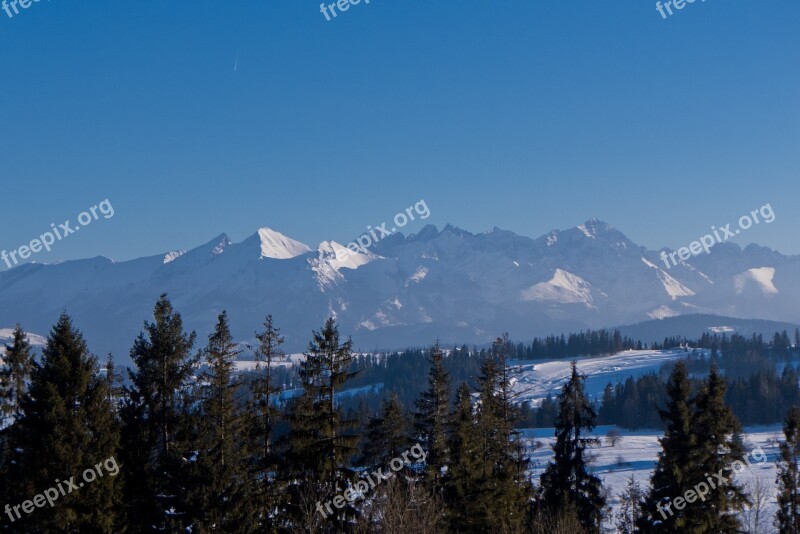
x: 636, y: 454
x: 637, y: 451
x: 535, y: 380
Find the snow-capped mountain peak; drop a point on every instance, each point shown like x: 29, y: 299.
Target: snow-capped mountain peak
x: 594, y: 227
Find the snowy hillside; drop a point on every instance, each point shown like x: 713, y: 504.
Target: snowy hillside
x: 7, y: 336
x: 533, y: 381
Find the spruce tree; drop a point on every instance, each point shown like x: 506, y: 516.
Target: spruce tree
x: 788, y: 516
x: 717, y: 448
x: 15, y: 369
x: 606, y: 415
x: 263, y: 417
x: 387, y: 436
x: 17, y: 365
x: 221, y: 496
x: 157, y: 421
x: 466, y: 488
x: 430, y: 423
x: 503, y: 459
x: 673, y: 475
x: 67, y: 427
x: 566, y: 483
x: 321, y: 441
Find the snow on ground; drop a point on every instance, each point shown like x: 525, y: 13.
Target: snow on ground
x: 536, y: 379
x: 637, y: 451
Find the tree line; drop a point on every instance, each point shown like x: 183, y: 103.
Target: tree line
x: 757, y: 392
x: 204, y: 449
x: 589, y: 343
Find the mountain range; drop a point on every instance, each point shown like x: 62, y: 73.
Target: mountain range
x: 405, y: 290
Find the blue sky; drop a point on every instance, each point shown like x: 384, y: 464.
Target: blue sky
x: 206, y: 117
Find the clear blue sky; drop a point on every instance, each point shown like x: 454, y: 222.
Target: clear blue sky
x: 196, y: 118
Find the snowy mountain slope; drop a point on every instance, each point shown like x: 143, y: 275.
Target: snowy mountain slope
x: 564, y: 287
x: 760, y: 277
x: 406, y: 290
